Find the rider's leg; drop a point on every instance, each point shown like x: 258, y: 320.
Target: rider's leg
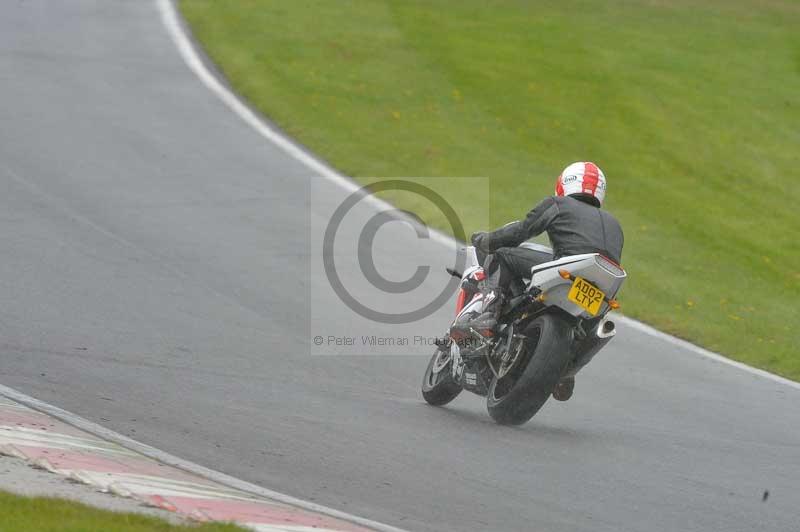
x: 519, y: 261
x: 512, y: 263
x: 504, y: 265
x: 498, y: 277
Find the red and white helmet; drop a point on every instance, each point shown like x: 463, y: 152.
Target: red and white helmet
x: 582, y: 178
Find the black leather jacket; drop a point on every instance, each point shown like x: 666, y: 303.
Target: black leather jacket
x: 574, y: 227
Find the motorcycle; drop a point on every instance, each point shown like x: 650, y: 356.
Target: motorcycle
x: 550, y: 327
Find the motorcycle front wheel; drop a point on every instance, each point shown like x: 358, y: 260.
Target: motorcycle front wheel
x: 438, y: 385
x: 523, y: 389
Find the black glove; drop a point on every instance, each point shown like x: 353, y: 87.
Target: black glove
x: 481, y: 241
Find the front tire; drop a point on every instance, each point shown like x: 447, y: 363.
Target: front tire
x: 438, y: 385
x: 519, y: 394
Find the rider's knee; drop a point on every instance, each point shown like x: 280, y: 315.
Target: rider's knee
x: 504, y: 255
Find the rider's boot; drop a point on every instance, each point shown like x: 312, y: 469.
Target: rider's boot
x: 485, y: 322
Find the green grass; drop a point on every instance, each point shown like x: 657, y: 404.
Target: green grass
x: 691, y: 108
x: 43, y: 514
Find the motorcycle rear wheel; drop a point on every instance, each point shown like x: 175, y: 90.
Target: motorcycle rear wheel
x: 517, y: 397
x: 439, y: 387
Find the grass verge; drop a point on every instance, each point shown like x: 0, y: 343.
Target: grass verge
x: 43, y: 514
x: 692, y: 110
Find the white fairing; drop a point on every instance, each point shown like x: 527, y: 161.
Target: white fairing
x: 474, y: 307
x: 601, y: 272
x: 470, y: 258
x: 593, y: 267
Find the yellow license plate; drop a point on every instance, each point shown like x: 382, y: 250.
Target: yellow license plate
x: 586, y: 295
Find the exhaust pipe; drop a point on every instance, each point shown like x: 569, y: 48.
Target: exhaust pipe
x: 605, y: 329
x: 587, y: 348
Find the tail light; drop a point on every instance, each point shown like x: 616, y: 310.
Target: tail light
x: 609, y: 265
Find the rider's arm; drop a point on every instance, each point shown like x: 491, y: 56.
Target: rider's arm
x: 515, y: 233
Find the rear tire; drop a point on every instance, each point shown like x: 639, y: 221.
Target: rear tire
x: 439, y: 388
x: 515, y: 398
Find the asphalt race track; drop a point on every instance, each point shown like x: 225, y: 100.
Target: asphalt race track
x: 156, y: 277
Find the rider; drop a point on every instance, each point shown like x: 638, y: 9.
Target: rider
x: 575, y: 225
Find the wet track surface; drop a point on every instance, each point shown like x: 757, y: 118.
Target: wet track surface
x: 156, y: 278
